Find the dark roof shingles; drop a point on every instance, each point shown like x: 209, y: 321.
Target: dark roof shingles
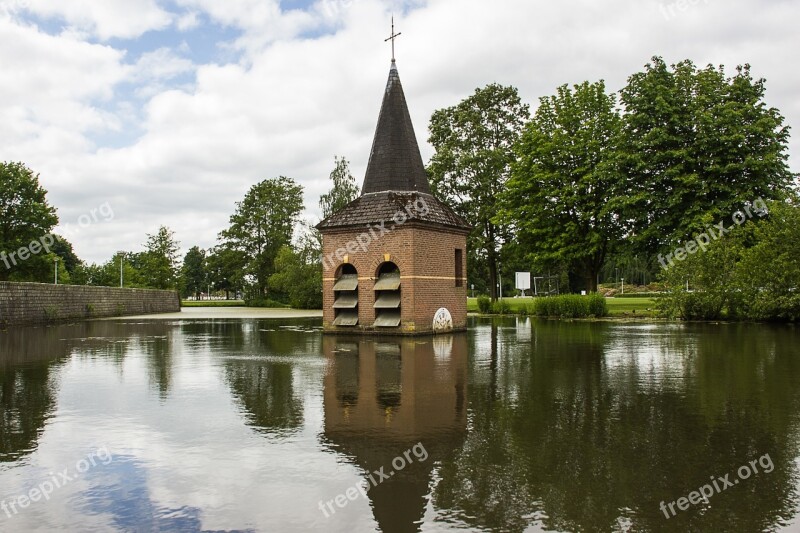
x: 395, y: 163
x: 396, y: 184
x: 394, y: 206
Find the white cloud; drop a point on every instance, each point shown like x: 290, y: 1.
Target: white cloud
x: 188, y: 21
x: 295, y: 98
x: 162, y: 63
x: 107, y: 18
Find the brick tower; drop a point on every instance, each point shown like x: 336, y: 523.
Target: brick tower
x: 394, y: 259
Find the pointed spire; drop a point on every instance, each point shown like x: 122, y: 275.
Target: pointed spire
x: 395, y: 163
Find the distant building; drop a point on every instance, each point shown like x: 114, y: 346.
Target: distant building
x: 394, y: 259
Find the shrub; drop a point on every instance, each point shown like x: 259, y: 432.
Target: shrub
x: 500, y: 307
x: 484, y: 304
x: 570, y: 306
x: 265, y: 302
x: 783, y: 308
x: 598, y: 307
x: 693, y: 305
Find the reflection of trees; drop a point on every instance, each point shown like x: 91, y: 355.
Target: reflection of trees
x: 28, y: 386
x: 266, y: 392
x: 158, y: 351
x: 580, y: 443
x: 29, y: 363
x: 384, y: 396
x: 27, y: 399
x: 261, y: 375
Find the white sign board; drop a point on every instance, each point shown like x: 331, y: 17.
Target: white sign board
x: 523, y: 281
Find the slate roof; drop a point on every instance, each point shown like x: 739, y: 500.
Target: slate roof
x: 396, y: 185
x: 394, y: 207
x: 395, y: 163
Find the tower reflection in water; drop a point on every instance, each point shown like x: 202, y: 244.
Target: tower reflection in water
x: 382, y: 397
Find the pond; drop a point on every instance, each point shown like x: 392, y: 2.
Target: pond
x: 516, y: 425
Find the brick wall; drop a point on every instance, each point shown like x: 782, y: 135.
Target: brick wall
x: 426, y: 259
x: 38, y: 303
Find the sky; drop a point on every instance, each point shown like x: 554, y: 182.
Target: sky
x: 142, y: 113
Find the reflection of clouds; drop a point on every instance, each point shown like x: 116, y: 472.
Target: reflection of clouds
x: 120, y: 491
x: 192, y: 461
x: 649, y: 352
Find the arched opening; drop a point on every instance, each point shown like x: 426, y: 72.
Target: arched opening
x: 387, y: 296
x: 345, y: 296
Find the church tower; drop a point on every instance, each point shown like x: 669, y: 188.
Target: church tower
x: 394, y: 259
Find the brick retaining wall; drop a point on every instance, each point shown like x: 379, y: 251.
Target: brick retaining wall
x: 24, y: 304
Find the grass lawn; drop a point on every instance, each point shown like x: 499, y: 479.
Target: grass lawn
x: 212, y: 303
x: 616, y: 306
x: 620, y: 306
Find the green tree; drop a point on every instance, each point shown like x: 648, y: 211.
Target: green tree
x: 159, y: 266
x: 194, y: 277
x: 63, y: 249
x: 343, y: 191
x: 226, y: 269
x: 474, y: 150
x: 753, y: 272
x: 697, y: 144
x: 108, y: 274
x: 263, y: 223
x: 25, y: 217
x: 710, y: 277
x: 768, y: 276
x: 558, y: 198
x: 298, y: 276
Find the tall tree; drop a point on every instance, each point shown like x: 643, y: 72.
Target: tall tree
x: 226, y: 269
x: 264, y: 222
x: 298, y: 275
x: 769, y: 273
x: 25, y: 214
x: 558, y: 198
x: 474, y: 150
x: 63, y: 249
x: 160, y: 260
x: 194, y: 277
x: 343, y: 191
x: 698, y: 145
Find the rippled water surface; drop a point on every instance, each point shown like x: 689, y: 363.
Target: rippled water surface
x: 517, y: 425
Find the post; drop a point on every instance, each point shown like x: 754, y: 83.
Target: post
x: 500, y: 277
x: 55, y: 264
x: 623, y: 285
x: 120, y: 270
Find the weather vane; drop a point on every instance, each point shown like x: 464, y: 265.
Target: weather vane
x: 392, y: 38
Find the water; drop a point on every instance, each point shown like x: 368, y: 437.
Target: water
x: 517, y: 425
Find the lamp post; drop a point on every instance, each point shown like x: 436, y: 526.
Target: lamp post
x: 500, y: 275
x: 55, y: 269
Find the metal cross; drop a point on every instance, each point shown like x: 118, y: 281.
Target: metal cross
x: 392, y: 38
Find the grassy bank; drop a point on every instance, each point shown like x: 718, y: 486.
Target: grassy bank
x: 619, y: 307
x: 212, y: 303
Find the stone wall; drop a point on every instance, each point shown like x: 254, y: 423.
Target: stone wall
x: 24, y: 304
